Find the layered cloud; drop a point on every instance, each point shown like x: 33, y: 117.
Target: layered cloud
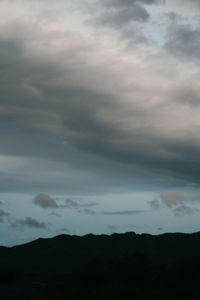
x: 65, y: 87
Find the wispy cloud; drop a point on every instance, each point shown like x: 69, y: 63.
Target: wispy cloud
x: 155, y: 204
x: 47, y: 202
x: 112, y: 213
x: 63, y: 229
x: 87, y: 211
x: 55, y: 214
x: 122, y: 212
x: 184, y: 210
x: 3, y: 215
x: 29, y: 222
x: 70, y: 203
x: 112, y: 227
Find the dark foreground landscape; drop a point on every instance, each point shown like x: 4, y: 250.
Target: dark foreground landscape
x: 119, y: 266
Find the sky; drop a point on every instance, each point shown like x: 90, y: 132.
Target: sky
x: 99, y: 117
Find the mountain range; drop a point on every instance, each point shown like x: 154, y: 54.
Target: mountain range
x: 65, y: 253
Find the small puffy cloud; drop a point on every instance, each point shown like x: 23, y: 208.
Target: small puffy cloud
x: 73, y: 204
x: 159, y: 228
x: 45, y: 201
x: 172, y: 199
x: 54, y: 214
x: 3, y: 215
x: 155, y: 204
x: 175, y: 199
x: 112, y: 227
x: 184, y: 210
x: 87, y: 211
x: 70, y: 203
x: 178, y: 202
x: 29, y: 222
x: 63, y: 229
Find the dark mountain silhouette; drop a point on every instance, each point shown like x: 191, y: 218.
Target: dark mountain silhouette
x: 64, y: 253
x: 120, y: 266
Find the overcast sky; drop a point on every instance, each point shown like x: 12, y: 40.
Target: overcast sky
x: 99, y: 117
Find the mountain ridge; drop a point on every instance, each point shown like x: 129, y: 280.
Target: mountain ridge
x: 64, y: 252
x: 102, y: 235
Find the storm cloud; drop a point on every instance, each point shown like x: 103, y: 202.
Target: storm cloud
x: 83, y: 112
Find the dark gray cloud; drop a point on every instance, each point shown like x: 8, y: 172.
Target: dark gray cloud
x: 123, y: 16
x: 3, y: 215
x: 112, y: 227
x: 87, y: 211
x: 88, y: 204
x: 55, y: 214
x: 122, y: 213
x: 70, y: 203
x: 29, y: 222
x: 45, y: 201
x: 73, y: 204
x: 159, y: 228
x: 63, y: 229
x: 110, y: 213
x: 184, y: 42
x: 62, y: 92
x: 120, y: 14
